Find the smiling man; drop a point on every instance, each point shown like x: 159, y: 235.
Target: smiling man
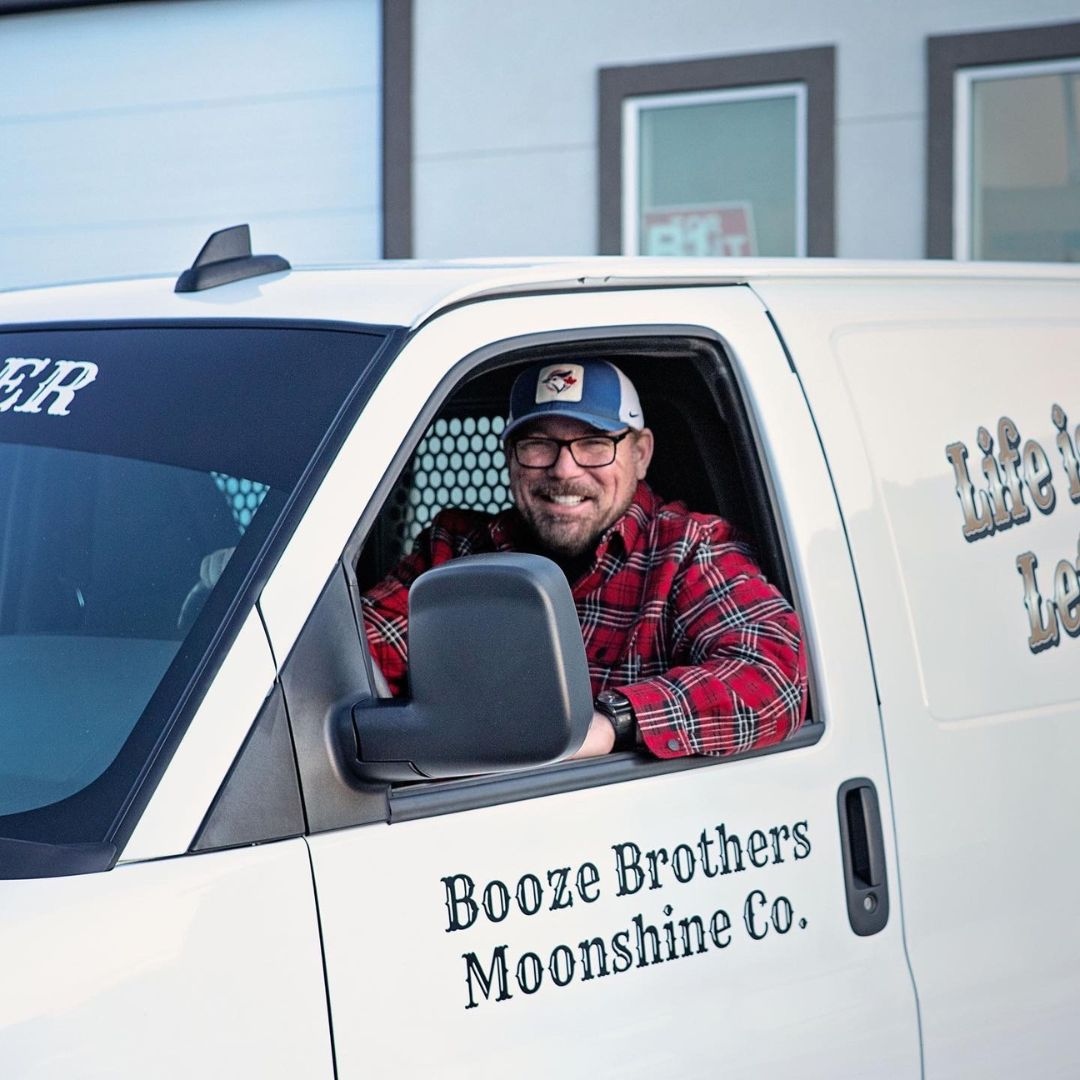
x: 575, y: 460
x: 690, y: 649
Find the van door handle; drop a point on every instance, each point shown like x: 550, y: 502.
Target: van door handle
x: 863, y: 853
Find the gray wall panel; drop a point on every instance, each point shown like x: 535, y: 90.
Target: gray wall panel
x: 496, y: 207
x: 882, y: 218
x: 130, y: 132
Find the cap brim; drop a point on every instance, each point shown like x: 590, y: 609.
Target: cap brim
x: 601, y: 423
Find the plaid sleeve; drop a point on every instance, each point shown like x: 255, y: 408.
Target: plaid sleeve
x: 386, y: 605
x: 739, y: 680
x: 386, y: 615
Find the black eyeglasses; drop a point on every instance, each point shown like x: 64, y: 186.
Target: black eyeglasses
x: 589, y: 451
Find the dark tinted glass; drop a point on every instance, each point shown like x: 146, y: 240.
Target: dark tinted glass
x: 141, y: 473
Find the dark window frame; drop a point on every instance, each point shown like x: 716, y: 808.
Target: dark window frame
x: 945, y: 56
x: 396, y: 21
x: 813, y: 67
x: 397, y: 128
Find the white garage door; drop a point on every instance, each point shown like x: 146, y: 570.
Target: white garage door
x: 129, y: 132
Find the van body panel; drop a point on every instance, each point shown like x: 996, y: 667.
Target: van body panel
x: 980, y: 726
x: 207, y: 965
x: 385, y: 896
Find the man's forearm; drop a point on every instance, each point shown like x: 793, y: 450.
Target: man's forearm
x: 599, y: 740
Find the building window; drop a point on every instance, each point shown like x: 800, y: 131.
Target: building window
x: 1017, y: 161
x: 1004, y: 145
x: 724, y: 156
x: 716, y: 173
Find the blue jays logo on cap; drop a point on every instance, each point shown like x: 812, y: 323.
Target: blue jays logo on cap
x: 561, y: 380
x: 595, y: 392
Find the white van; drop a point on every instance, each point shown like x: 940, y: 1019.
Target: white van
x: 224, y: 854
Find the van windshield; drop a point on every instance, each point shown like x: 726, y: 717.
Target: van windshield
x: 142, y: 472
x: 99, y: 582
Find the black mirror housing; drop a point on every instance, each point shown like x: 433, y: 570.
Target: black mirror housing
x: 497, y: 671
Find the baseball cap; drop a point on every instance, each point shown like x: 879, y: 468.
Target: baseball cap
x: 593, y: 391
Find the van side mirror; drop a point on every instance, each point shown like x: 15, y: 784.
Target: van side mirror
x: 497, y: 672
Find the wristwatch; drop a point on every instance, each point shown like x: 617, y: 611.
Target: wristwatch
x: 617, y: 708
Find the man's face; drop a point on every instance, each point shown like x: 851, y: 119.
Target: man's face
x: 567, y: 505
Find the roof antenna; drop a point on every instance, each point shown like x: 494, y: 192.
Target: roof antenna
x: 226, y: 257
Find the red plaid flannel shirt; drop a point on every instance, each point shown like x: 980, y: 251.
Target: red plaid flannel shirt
x: 674, y: 614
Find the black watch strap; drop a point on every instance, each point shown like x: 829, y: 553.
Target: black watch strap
x: 617, y: 708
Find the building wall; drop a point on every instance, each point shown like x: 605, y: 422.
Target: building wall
x: 129, y: 132
x: 505, y: 106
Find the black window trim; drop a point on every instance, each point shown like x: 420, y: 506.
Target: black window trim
x: 945, y: 56
x: 412, y: 802
x: 814, y: 67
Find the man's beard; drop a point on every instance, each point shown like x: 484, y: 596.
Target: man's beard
x: 557, y: 537
x: 558, y: 542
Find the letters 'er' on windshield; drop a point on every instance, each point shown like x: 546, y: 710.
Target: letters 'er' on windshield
x: 29, y: 384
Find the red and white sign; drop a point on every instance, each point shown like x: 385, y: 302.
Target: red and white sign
x: 716, y: 229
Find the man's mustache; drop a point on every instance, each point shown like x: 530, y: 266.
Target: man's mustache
x: 553, y: 491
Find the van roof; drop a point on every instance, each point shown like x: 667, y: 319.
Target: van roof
x: 406, y: 293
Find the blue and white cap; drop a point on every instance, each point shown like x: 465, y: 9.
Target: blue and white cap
x: 593, y: 391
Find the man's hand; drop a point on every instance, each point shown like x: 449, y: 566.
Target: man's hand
x: 599, y: 741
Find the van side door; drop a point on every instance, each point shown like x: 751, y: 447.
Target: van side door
x: 616, y: 917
